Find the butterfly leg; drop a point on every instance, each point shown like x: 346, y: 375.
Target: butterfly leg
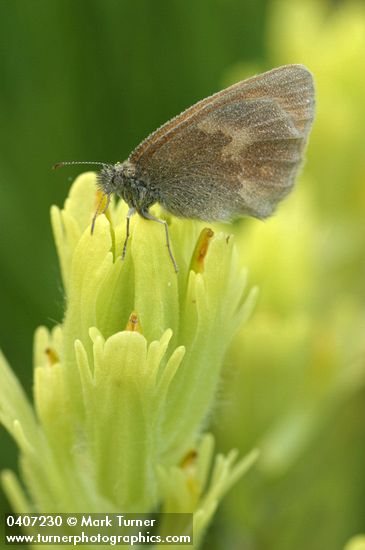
x: 131, y: 211
x: 149, y: 216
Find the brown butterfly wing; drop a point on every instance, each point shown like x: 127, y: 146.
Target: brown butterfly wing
x: 234, y: 153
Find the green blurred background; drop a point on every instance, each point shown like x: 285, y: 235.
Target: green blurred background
x: 87, y: 80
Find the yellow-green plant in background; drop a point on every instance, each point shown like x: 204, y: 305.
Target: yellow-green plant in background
x: 301, y: 362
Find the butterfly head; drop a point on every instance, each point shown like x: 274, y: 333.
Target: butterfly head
x: 111, y: 178
x: 122, y: 180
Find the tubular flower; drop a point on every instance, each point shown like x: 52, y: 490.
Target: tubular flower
x: 124, y: 386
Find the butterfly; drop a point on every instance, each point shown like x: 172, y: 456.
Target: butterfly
x: 235, y: 153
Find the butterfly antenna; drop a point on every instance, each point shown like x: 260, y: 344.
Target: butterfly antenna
x: 68, y: 162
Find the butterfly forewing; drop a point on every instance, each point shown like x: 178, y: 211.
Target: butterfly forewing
x: 234, y: 153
